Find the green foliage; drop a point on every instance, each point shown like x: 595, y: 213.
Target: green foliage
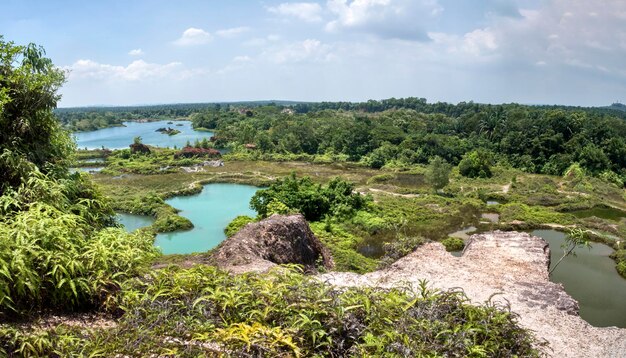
x: 343, y: 247
x: 399, y: 248
x: 574, y: 172
x: 50, y: 258
x: 612, y: 177
x: 453, y: 244
x: 31, y: 139
x: 621, y: 268
x: 438, y: 174
x: 380, y: 178
x: 314, y: 201
x: 277, y: 207
x: 533, y: 216
x: 237, y: 224
x: 476, y: 164
x: 203, y: 311
x: 577, y: 238
x: 620, y: 257
x: 56, y: 251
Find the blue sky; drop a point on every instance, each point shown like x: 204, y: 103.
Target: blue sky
x: 493, y: 51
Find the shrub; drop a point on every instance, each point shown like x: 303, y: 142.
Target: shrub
x: 237, y: 224
x: 399, y: 248
x: 453, y: 244
x: 612, y: 177
x: 621, y: 268
x: 50, y: 258
x: 314, y: 201
x: 381, y: 178
x: 203, y: 311
x: 476, y: 164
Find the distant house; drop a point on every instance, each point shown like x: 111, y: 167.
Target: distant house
x: 250, y: 146
x: 288, y: 111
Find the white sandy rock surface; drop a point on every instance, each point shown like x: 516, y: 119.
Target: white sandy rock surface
x: 514, y: 267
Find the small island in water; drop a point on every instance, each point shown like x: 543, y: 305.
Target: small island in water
x: 168, y: 130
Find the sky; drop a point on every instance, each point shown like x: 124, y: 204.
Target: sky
x: 133, y: 52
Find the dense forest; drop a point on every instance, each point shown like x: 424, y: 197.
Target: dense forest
x: 534, y: 139
x: 403, y: 132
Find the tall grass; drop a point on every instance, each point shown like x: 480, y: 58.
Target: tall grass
x: 203, y: 311
x: 51, y: 258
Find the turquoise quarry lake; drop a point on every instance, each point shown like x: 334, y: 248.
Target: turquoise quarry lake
x: 122, y: 137
x: 591, y: 279
x: 133, y: 222
x: 210, y: 212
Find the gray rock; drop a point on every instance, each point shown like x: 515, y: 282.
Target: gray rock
x: 508, y: 269
x: 278, y: 239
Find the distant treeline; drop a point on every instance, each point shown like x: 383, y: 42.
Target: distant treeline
x: 92, y: 118
x: 537, y: 139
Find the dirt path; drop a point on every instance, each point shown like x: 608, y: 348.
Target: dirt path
x: 513, y: 267
x: 394, y: 194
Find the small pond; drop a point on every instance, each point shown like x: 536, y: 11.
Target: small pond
x: 86, y: 169
x: 133, y: 222
x: 600, y: 212
x: 591, y: 279
x: 464, y: 233
x: 209, y: 211
x: 122, y: 137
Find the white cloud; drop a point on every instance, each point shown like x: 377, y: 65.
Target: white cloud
x: 136, y: 52
x: 193, y: 36
x: 232, y: 32
x: 585, y: 35
x: 262, y: 41
x: 310, y: 50
x: 400, y: 19
x: 477, y: 44
x: 136, y: 70
x: 307, y: 11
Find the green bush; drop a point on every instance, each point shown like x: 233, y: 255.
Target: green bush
x: 621, y: 268
x: 476, y: 164
x: 237, y: 224
x: 453, y: 244
x: 399, y: 248
x: 53, y: 259
x: 314, y: 201
x: 381, y: 178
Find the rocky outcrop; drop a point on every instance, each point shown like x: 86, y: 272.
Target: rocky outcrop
x: 278, y: 239
x: 139, y: 148
x: 191, y: 152
x: 508, y: 268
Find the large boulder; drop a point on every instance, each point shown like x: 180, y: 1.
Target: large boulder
x: 279, y: 239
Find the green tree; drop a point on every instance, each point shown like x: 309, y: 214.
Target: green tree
x: 57, y: 249
x: 312, y: 200
x: 31, y: 139
x: 137, y: 140
x: 476, y: 164
x: 438, y: 174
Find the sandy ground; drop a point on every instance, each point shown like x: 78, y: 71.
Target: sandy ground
x: 511, y: 268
